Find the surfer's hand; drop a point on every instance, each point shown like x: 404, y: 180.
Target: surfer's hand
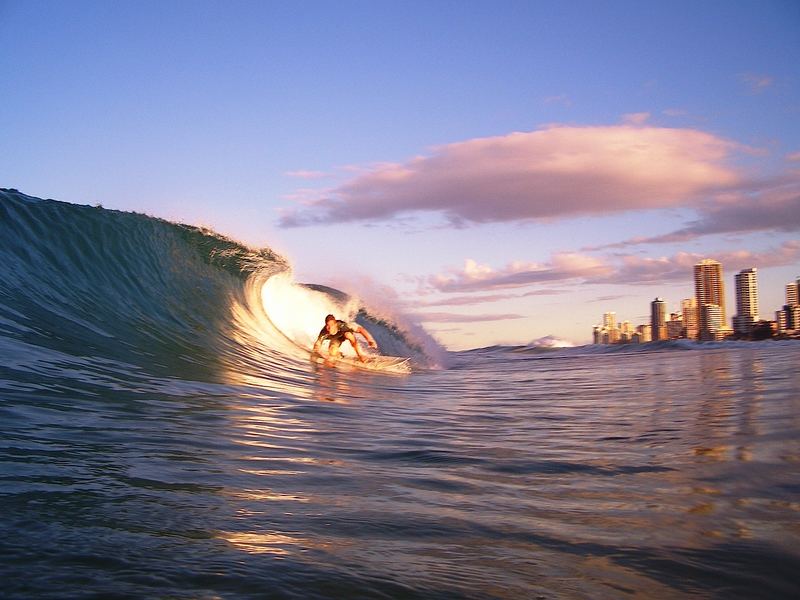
x: 372, y: 343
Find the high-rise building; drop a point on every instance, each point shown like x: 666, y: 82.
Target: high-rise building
x: 746, y: 301
x: 658, y: 319
x: 793, y: 316
x: 789, y: 317
x: 781, y: 318
x: 793, y: 293
x: 709, y: 290
x: 712, y: 328
x: 690, y: 318
x: 675, y: 327
x: 626, y: 330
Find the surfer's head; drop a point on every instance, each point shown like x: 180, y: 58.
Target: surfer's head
x: 330, y: 324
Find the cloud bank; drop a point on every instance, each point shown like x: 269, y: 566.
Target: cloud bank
x: 306, y: 174
x: 639, y: 270
x: 627, y: 269
x: 443, y: 317
x: 776, y: 208
x: 556, y: 172
x: 562, y: 267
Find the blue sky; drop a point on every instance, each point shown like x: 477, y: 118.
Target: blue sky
x: 479, y: 164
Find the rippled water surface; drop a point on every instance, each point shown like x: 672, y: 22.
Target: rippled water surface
x: 512, y: 474
x: 164, y: 435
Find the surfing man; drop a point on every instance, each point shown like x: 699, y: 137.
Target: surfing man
x: 336, y: 332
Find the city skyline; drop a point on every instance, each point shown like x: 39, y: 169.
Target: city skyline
x: 701, y: 317
x: 496, y: 172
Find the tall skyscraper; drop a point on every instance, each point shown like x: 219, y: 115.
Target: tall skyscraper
x: 792, y: 293
x: 712, y: 323
x: 658, y: 319
x: 746, y: 301
x: 690, y: 318
x: 709, y: 289
x: 675, y: 327
x: 789, y: 317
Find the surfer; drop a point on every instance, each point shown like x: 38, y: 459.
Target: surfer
x: 336, y: 331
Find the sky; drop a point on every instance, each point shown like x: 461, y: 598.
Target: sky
x: 498, y: 171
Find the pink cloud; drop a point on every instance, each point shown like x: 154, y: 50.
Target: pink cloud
x: 636, y: 269
x: 470, y: 300
x: 636, y: 118
x: 774, y: 208
x: 644, y: 270
x: 303, y: 174
x: 443, y: 317
x: 756, y: 82
x: 555, y: 172
x: 626, y: 269
x: 562, y: 267
x: 466, y: 300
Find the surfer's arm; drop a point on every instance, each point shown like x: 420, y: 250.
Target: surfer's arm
x: 318, y: 344
x: 368, y: 336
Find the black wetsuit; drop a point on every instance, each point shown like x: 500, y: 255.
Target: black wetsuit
x: 338, y: 337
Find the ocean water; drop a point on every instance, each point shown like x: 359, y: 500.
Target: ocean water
x: 163, y: 435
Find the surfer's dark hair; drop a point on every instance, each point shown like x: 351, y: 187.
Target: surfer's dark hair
x: 330, y: 318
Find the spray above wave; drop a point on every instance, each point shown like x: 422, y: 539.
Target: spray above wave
x: 147, y: 295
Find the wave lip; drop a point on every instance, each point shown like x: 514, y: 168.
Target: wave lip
x: 550, y: 341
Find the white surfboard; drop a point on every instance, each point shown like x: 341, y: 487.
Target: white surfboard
x: 375, y: 362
